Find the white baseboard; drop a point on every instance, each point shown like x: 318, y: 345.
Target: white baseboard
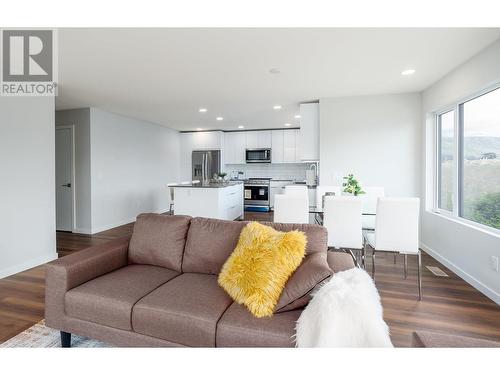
x: 487, y: 291
x: 122, y: 222
x: 82, y: 231
x: 111, y: 226
x: 27, y: 265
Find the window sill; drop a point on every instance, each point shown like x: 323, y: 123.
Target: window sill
x: 467, y: 223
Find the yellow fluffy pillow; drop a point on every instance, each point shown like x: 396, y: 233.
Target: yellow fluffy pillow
x: 256, y: 272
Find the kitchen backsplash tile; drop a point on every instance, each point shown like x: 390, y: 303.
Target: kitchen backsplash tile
x: 291, y: 171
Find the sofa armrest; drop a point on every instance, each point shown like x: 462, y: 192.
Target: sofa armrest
x: 340, y: 261
x: 70, y: 271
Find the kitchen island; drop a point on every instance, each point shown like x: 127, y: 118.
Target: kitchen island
x: 213, y: 200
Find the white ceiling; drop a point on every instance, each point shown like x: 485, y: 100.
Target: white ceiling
x: 165, y: 75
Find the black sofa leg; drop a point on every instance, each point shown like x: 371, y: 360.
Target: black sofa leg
x: 65, y: 339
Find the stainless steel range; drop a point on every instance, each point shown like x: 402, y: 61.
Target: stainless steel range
x: 257, y: 194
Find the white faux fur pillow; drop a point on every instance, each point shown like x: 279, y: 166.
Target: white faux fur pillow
x: 345, y: 312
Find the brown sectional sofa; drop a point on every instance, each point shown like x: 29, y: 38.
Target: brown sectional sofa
x: 159, y: 287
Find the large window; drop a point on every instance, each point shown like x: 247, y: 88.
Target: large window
x: 447, y: 146
x: 469, y: 160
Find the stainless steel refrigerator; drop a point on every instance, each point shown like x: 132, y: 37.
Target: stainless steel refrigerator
x: 205, y: 164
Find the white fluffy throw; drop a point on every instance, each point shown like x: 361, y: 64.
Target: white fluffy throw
x: 345, y: 312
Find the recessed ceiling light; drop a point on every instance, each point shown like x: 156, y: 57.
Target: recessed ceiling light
x: 277, y: 107
x: 287, y: 124
x: 297, y: 116
x: 274, y: 71
x: 241, y: 127
x: 219, y: 118
x: 408, y: 72
x: 202, y: 110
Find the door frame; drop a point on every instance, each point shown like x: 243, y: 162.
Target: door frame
x: 73, y: 195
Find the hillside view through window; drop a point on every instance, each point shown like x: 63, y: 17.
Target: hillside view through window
x: 478, y: 155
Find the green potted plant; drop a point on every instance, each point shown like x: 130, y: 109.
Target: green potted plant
x: 351, y: 185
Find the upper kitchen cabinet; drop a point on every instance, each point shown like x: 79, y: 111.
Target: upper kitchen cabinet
x: 309, y: 131
x: 258, y: 139
x: 285, y: 146
x: 290, y: 146
x: 203, y: 140
x: 277, y: 146
x: 234, y: 149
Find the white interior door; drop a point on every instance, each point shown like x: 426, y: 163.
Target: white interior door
x: 64, y: 178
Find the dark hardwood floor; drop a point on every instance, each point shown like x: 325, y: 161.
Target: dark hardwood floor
x: 449, y: 305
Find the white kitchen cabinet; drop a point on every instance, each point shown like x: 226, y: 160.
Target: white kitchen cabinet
x: 225, y: 203
x: 298, y: 148
x: 289, y: 146
x: 204, y: 140
x: 235, y: 145
x: 258, y: 139
x: 311, y: 192
x: 285, y: 146
x: 309, y: 131
x: 277, y: 146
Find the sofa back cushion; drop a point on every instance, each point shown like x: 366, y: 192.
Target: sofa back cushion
x: 210, y: 242
x: 159, y: 240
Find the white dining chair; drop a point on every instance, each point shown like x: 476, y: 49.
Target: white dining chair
x: 298, y: 190
x: 342, y: 219
x: 396, y: 230
x: 370, y: 198
x: 289, y: 208
x: 171, y: 189
x: 321, y: 190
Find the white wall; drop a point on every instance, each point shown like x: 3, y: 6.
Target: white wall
x: 132, y: 162
x: 464, y: 249
x: 27, y: 183
x: 80, y: 118
x: 377, y: 138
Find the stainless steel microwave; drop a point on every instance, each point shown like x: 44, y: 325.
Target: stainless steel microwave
x: 258, y: 155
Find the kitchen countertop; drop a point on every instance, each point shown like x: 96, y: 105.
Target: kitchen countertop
x: 211, y: 185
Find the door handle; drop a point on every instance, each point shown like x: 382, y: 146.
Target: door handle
x: 66, y: 185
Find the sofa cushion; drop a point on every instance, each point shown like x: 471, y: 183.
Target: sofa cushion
x: 313, y: 271
x: 184, y: 311
x: 108, y: 299
x: 159, y: 240
x: 209, y: 244
x: 256, y: 273
x: 317, y: 235
x: 239, y: 328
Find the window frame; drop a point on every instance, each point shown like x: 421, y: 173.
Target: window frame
x: 458, y: 161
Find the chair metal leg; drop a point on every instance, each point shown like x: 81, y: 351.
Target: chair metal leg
x: 170, y: 209
x: 353, y: 257
x: 406, y: 266
x: 419, y: 263
x: 363, y: 263
x: 373, y: 264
